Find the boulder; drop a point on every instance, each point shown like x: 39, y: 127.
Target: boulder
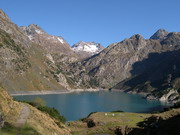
x: 90, y: 123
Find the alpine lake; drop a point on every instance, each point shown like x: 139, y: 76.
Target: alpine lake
x: 78, y: 105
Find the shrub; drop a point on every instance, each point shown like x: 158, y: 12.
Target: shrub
x: 9, y: 129
x: 39, y: 101
x: 53, y: 113
x: 40, y: 104
x: 117, y: 111
x: 90, y: 123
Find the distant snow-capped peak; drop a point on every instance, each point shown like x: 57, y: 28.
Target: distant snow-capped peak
x: 89, y: 47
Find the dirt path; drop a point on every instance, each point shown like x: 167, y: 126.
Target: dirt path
x: 23, y: 116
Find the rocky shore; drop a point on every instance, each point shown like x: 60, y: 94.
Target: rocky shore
x: 170, y: 97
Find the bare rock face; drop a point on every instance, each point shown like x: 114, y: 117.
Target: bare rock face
x: 56, y: 49
x: 25, y: 63
x: 114, y: 63
x: 4, y: 16
x: 170, y: 96
x: 134, y: 64
x: 13, y: 30
x: 23, y: 68
x: 52, y: 44
x: 13, y: 58
x: 121, y: 62
x: 161, y: 72
x: 160, y: 34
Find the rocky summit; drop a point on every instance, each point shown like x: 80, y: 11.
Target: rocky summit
x: 32, y: 59
x: 160, y: 34
x: 53, y: 45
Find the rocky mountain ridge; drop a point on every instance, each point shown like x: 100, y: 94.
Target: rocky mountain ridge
x: 117, y: 63
x: 160, y: 34
x: 31, y: 59
x: 52, y: 44
x: 56, y: 49
x: 120, y: 56
x: 26, y: 65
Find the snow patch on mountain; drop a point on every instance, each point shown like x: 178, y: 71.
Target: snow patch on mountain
x: 30, y: 37
x: 88, y: 47
x: 31, y: 30
x: 50, y: 58
x: 39, y: 32
x: 60, y: 40
x: 56, y: 39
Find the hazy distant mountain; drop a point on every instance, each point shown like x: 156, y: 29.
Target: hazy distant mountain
x: 87, y: 49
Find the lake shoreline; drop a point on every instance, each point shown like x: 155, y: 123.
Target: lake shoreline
x: 76, y: 105
x: 48, y: 92
x: 44, y: 92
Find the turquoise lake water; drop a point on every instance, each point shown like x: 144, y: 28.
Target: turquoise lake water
x: 78, y: 105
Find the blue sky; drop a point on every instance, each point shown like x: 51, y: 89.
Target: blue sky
x: 103, y: 21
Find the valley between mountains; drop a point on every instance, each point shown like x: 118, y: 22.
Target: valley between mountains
x: 33, y: 60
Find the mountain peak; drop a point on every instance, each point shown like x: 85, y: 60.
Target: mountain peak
x: 35, y: 26
x: 160, y: 34
x: 137, y: 36
x: 4, y: 16
x: 32, y: 29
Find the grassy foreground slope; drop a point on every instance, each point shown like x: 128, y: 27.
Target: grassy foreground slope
x: 123, y: 123
x: 37, y: 122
